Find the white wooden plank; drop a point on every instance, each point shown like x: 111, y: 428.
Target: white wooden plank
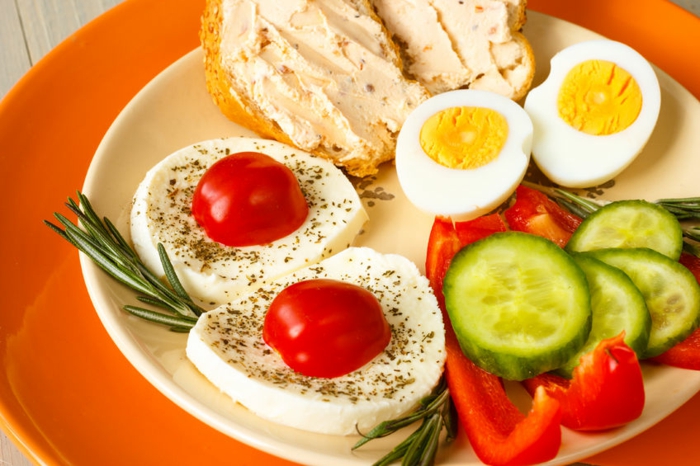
x: 691, y: 5
x: 29, y: 29
x: 10, y: 455
x: 48, y: 22
x: 14, y: 56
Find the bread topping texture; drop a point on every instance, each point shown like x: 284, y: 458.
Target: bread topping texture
x: 473, y: 44
x: 338, y: 78
x: 323, y: 76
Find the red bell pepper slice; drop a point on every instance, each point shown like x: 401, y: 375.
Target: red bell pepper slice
x: 473, y: 230
x: 685, y: 354
x: 443, y: 244
x: 606, y: 391
x: 498, y: 432
x: 692, y: 263
x: 534, y: 212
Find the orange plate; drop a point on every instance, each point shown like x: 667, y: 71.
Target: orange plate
x: 67, y: 395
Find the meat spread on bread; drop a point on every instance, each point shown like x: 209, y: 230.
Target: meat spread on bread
x: 472, y: 44
x: 339, y: 77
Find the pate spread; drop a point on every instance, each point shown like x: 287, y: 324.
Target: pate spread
x: 325, y: 72
x: 459, y: 44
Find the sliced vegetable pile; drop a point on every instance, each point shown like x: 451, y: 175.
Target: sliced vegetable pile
x: 633, y: 316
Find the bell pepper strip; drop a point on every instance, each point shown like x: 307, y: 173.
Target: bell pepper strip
x: 443, y: 244
x: 499, y: 433
x: 473, y: 230
x: 534, y: 212
x: 692, y: 263
x: 606, y: 391
x: 685, y: 354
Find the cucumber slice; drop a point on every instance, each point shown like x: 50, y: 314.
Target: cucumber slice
x: 616, y: 304
x: 670, y: 290
x: 629, y: 224
x: 518, y: 303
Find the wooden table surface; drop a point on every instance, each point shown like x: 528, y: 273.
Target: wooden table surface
x: 31, y: 28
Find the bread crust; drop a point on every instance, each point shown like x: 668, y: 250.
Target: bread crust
x: 493, y: 56
x: 358, y: 155
x: 346, y: 112
x: 225, y: 97
x: 528, y: 65
x: 518, y: 9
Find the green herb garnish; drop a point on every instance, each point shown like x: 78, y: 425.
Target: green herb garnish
x: 101, y: 242
x: 435, y: 412
x: 684, y: 209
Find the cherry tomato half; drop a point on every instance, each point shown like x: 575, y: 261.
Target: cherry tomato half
x: 326, y: 328
x: 248, y: 198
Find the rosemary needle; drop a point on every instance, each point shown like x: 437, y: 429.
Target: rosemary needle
x: 684, y: 209
x: 100, y: 240
x: 436, y: 412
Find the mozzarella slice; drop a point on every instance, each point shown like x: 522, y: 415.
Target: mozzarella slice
x: 226, y: 346
x: 212, y: 272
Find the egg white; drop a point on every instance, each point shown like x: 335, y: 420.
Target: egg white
x: 457, y: 193
x: 576, y: 159
x: 213, y: 272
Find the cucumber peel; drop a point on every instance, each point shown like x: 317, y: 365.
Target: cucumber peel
x: 617, y: 305
x: 519, y: 304
x: 671, y: 292
x: 629, y: 224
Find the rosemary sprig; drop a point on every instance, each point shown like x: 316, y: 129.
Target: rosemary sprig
x: 684, y: 209
x: 100, y: 240
x: 435, y: 412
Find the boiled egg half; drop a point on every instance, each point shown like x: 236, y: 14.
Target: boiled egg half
x: 462, y: 153
x: 594, y: 113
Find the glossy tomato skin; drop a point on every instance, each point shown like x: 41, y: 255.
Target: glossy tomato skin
x: 247, y: 199
x: 326, y: 328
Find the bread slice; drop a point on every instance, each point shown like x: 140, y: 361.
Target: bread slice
x: 323, y: 76
x: 338, y: 78
x: 473, y: 44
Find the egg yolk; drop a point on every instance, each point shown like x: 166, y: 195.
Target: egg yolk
x: 598, y: 97
x: 464, y: 137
